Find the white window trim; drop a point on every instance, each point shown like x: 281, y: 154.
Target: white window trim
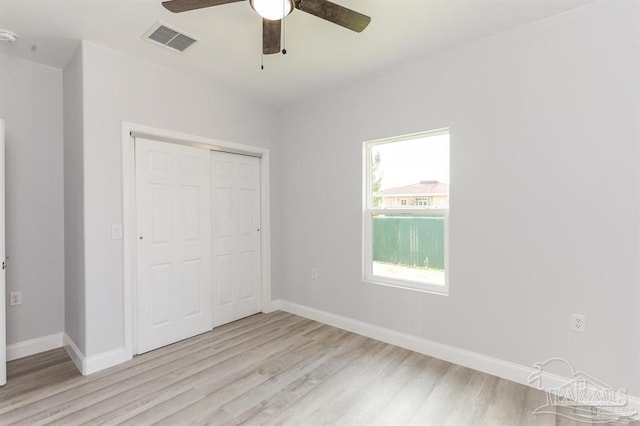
x: 367, y: 224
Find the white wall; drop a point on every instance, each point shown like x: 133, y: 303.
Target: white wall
x: 31, y: 105
x: 545, y: 213
x: 73, y: 202
x: 546, y: 112
x: 119, y: 88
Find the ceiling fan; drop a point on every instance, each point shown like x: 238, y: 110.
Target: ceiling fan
x: 273, y: 11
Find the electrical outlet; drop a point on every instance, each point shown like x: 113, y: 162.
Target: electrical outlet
x: 15, y: 298
x: 578, y: 323
x: 314, y: 274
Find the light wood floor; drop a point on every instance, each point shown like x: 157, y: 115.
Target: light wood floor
x: 267, y: 369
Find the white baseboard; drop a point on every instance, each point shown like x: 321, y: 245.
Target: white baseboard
x: 94, y: 363
x: 34, y: 346
x: 75, y: 354
x: 86, y: 365
x: 102, y: 361
x: 486, y: 364
x: 271, y: 306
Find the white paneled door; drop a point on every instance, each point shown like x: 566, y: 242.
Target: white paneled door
x: 235, y: 182
x: 173, y: 223
x: 3, y: 318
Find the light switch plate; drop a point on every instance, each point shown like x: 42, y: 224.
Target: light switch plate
x: 116, y: 232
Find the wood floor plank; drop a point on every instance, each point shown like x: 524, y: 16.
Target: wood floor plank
x: 279, y: 374
x: 472, y: 403
x: 221, y: 374
x: 347, y: 348
x: 87, y: 391
x: 358, y: 387
x: 200, y: 365
x: 268, y: 369
x: 443, y: 398
x: 167, y: 408
x: 507, y: 404
x: 365, y: 410
x: 535, y: 398
x: 311, y: 404
x: 35, y: 363
x: 403, y: 406
x: 41, y: 380
x: 219, y: 339
x: 246, y: 381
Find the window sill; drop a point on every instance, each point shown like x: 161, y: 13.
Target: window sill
x: 409, y: 285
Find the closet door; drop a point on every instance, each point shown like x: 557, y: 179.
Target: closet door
x: 3, y: 318
x: 173, y: 290
x: 236, y: 236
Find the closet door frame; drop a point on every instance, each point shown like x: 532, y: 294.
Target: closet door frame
x: 129, y: 132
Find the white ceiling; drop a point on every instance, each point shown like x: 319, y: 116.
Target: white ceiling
x: 320, y: 54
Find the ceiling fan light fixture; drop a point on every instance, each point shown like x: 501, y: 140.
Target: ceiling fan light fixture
x: 272, y: 10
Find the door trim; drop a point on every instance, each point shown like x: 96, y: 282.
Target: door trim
x: 3, y: 277
x: 129, y: 212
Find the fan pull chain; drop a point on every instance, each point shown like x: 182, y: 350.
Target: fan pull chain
x: 284, y: 38
x: 262, y: 61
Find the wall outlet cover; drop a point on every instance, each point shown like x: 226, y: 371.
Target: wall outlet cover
x: 578, y: 323
x: 15, y: 298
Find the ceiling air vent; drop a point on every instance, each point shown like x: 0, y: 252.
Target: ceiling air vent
x: 173, y: 39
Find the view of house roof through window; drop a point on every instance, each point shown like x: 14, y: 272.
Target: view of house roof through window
x: 426, y: 193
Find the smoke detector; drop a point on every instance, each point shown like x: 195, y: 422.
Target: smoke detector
x: 8, y: 36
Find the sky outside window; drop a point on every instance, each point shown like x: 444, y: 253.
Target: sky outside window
x: 412, y: 161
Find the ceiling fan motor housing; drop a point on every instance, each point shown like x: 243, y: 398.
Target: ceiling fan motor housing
x: 272, y: 10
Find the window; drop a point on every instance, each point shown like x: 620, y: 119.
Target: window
x: 405, y: 243
x: 423, y: 201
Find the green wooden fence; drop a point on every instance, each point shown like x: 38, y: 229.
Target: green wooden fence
x: 416, y: 241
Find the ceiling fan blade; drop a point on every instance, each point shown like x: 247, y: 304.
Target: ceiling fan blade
x: 271, y: 36
x: 177, y: 6
x: 335, y: 13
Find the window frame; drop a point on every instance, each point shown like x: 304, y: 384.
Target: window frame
x: 368, y: 213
